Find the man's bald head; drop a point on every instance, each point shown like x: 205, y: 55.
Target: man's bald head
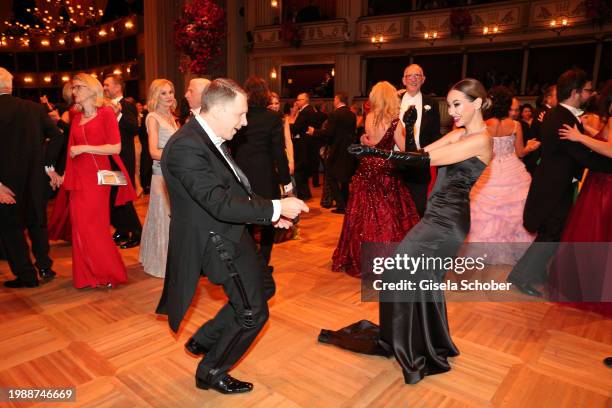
x: 194, y: 92
x: 413, y: 79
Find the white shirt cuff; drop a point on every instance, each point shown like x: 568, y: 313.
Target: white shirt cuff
x: 119, y: 117
x: 277, y: 210
x: 287, y: 188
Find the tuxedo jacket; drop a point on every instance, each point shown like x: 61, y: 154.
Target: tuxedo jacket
x: 531, y: 158
x: 259, y: 150
x: 429, y: 132
x: 306, y: 117
x: 205, y: 196
x: 25, y: 126
x: 338, y: 134
x: 128, y: 128
x: 562, y: 160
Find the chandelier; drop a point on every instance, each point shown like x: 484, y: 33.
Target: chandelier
x: 49, y: 18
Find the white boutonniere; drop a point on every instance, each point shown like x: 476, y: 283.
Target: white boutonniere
x: 427, y: 108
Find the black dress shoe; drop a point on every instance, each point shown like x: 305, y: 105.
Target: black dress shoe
x: 18, y: 283
x: 326, y: 205
x: 339, y: 211
x: 46, y: 274
x: 195, y: 348
x: 526, y: 288
x: 608, y: 361
x: 131, y: 243
x: 120, y: 238
x: 226, y: 384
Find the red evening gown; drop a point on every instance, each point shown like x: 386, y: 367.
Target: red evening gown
x: 581, y: 271
x: 95, y: 258
x: 380, y: 208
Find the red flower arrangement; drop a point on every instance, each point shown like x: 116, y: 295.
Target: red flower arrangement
x: 198, y: 34
x: 460, y: 22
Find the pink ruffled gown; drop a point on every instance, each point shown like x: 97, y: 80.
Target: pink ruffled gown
x: 497, y: 201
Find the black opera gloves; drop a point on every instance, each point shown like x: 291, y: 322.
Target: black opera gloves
x: 413, y: 158
x: 410, y: 117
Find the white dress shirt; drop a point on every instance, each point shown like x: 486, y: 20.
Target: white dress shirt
x: 218, y: 141
x: 575, y: 111
x: 196, y: 111
x: 116, y: 102
x: 417, y: 101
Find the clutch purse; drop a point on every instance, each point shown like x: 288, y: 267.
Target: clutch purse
x: 107, y: 177
x: 111, y: 178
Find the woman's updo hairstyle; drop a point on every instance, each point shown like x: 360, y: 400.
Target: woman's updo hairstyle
x: 473, y: 89
x: 502, y: 101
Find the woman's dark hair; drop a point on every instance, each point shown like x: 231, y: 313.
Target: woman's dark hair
x: 473, y: 89
x: 257, y: 91
x: 502, y: 100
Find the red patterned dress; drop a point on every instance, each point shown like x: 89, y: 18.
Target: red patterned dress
x: 380, y: 208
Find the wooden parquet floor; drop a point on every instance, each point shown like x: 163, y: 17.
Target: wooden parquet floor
x: 111, y: 346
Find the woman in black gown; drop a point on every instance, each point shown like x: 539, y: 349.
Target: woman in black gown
x: 416, y: 332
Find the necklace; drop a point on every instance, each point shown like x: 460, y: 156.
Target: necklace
x: 89, y: 114
x: 168, y: 118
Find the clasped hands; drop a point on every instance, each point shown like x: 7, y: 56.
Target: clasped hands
x: 291, y: 207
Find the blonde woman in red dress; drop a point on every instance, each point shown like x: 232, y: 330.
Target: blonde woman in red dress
x: 94, y: 139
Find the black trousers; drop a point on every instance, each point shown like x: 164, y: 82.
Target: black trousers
x: 17, y: 253
x: 339, y: 191
x: 36, y: 225
x: 226, y: 336
x: 266, y: 240
x: 531, y: 268
x: 302, y: 168
x: 124, y: 217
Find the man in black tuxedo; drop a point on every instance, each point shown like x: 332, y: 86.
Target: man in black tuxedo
x: 25, y: 125
x: 550, y: 195
x: 124, y: 217
x: 211, y: 200
x: 302, y: 145
x: 549, y: 101
x: 338, y: 134
x: 426, y: 131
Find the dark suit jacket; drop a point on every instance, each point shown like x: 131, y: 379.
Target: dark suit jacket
x: 205, y: 196
x: 306, y: 117
x: 128, y: 128
x: 25, y: 126
x: 429, y: 132
x: 302, y: 146
x: 338, y: 134
x: 562, y: 160
x: 259, y: 150
x: 531, y: 159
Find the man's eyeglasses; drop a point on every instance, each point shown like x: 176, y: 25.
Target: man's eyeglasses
x: 587, y: 90
x: 413, y: 76
x: 78, y: 87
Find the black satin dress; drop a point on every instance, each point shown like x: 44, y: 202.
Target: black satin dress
x: 416, y: 332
